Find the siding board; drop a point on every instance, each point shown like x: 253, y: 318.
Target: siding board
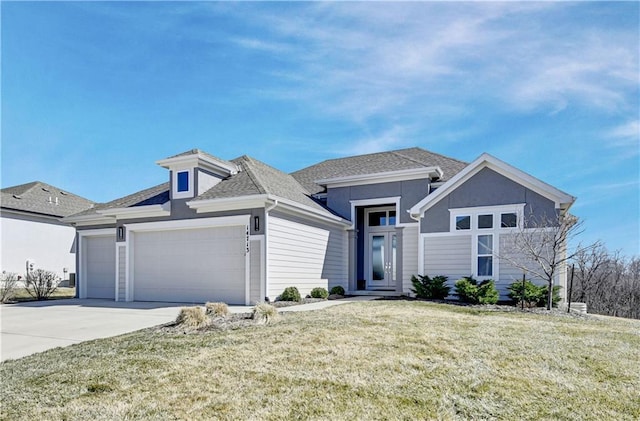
x: 304, y: 254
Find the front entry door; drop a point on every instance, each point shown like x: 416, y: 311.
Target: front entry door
x: 382, y: 260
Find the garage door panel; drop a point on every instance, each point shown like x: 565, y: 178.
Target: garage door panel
x: 194, y: 265
x: 100, y: 272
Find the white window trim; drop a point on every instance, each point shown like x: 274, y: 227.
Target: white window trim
x: 475, y: 231
x: 174, y: 183
x: 496, y: 211
x: 395, y: 200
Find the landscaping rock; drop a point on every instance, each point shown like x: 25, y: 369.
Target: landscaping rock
x: 335, y: 297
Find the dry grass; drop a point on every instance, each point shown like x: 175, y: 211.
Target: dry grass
x: 264, y: 313
x: 217, y: 309
x: 192, y: 317
x: 377, y: 360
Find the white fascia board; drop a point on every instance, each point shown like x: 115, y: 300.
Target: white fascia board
x: 149, y: 211
x: 560, y: 198
x: 93, y: 219
x: 382, y: 177
x: 229, y: 203
x: 100, y: 232
x: 309, y: 211
x: 196, y: 160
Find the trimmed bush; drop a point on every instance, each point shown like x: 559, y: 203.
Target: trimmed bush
x: 290, y: 294
x: 319, y: 292
x: 469, y: 291
x: 337, y: 290
x: 434, y: 288
x: 264, y: 313
x: 533, y: 295
x: 192, y: 317
x: 217, y: 309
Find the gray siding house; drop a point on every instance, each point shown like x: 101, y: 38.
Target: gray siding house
x: 241, y: 231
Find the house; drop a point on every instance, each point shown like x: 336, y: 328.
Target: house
x: 31, y: 230
x: 239, y: 231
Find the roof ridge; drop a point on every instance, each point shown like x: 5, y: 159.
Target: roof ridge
x: 255, y: 179
x: 431, y: 152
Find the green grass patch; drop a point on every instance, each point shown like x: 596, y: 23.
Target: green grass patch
x: 373, y: 360
x: 59, y: 294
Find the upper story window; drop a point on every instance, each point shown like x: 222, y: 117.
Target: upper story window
x: 382, y: 218
x: 463, y: 222
x: 183, y: 181
x: 485, y: 221
x: 509, y: 220
x: 486, y: 218
x: 183, y: 184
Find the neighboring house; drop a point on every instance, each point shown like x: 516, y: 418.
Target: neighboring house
x: 31, y: 230
x: 239, y: 231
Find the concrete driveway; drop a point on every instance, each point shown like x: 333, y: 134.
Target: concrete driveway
x: 27, y: 328
x: 36, y: 326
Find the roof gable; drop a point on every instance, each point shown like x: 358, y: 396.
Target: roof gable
x: 376, y: 163
x: 561, y: 199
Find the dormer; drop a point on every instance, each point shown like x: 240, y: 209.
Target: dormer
x: 194, y: 172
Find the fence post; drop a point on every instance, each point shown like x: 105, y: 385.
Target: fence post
x: 573, y: 268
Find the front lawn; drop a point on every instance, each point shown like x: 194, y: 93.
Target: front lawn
x: 373, y: 360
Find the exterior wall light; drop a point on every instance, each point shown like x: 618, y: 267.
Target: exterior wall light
x: 256, y: 223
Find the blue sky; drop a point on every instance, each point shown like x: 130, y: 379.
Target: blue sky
x: 94, y: 93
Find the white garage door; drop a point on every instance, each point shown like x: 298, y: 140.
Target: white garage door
x: 190, y: 265
x: 100, y: 266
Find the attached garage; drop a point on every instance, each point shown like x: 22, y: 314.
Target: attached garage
x: 197, y: 264
x: 99, y: 263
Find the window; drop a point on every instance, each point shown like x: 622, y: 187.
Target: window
x: 463, y: 222
x: 508, y: 220
x: 485, y: 255
x: 485, y: 221
x: 183, y: 181
x: 382, y: 218
x: 377, y: 219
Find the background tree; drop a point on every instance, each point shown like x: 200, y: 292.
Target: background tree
x: 540, y: 247
x: 607, y: 282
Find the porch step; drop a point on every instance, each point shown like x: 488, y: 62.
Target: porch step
x: 377, y: 293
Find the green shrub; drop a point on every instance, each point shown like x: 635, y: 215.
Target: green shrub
x: 425, y: 287
x: 487, y: 292
x: 319, y: 292
x: 533, y: 295
x: 469, y: 291
x: 264, y: 313
x: 555, y: 297
x: 337, y: 290
x: 217, y: 309
x: 192, y: 317
x: 290, y: 294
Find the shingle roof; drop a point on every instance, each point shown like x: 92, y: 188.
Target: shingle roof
x: 401, y: 159
x: 257, y: 177
x: 38, y: 197
x: 156, y: 195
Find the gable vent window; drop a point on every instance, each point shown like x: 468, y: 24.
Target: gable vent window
x: 183, y: 181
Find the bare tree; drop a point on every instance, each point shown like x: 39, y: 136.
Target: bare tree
x: 540, y: 246
x: 8, y: 286
x: 607, y: 282
x: 40, y: 283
